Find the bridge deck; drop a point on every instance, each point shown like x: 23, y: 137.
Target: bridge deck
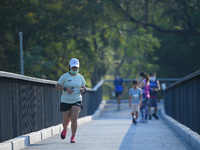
x: 114, y: 130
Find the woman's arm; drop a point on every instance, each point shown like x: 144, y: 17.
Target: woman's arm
x: 158, y: 83
x: 83, y: 89
x: 61, y: 88
x: 141, y: 83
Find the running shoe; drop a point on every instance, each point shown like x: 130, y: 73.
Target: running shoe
x: 133, y: 120
x: 154, y: 115
x: 149, y: 117
x: 63, y: 134
x: 141, y: 120
x: 135, y: 123
x: 73, y: 140
x: 145, y: 121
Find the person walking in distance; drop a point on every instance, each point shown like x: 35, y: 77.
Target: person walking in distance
x: 141, y: 81
x: 118, y: 82
x: 154, y: 88
x: 73, y: 85
x: 135, y: 98
x: 145, y: 85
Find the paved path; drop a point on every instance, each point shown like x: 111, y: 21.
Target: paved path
x: 114, y: 130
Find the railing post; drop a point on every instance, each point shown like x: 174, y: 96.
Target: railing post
x: 21, y: 52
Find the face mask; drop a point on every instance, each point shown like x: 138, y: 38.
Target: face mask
x: 152, y: 78
x: 74, y: 72
x: 140, y: 77
x: 117, y: 77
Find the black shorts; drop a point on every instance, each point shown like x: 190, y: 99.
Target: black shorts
x: 67, y: 106
x: 118, y: 94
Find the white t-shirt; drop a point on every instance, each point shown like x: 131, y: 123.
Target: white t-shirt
x: 76, y: 82
x: 135, y: 95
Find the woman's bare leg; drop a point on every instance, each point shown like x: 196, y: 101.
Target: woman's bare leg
x: 75, y: 110
x: 66, y: 118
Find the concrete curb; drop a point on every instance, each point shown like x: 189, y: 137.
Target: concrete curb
x: 6, y: 146
x: 190, y: 136
x: 34, y: 137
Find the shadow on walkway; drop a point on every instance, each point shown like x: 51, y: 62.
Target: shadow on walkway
x: 154, y: 135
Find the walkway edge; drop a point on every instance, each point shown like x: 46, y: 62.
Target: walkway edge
x: 190, y: 136
x: 21, y: 142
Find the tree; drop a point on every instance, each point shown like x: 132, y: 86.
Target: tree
x: 106, y: 36
x: 174, y: 23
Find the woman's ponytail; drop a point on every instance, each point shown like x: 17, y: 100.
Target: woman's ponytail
x: 147, y: 78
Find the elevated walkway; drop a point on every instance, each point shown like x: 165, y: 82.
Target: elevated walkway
x: 114, y: 130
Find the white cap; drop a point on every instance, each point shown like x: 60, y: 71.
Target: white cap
x: 74, y: 62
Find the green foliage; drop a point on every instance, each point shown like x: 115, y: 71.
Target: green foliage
x: 131, y: 51
x: 106, y: 36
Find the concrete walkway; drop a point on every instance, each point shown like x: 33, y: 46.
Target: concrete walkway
x: 114, y: 130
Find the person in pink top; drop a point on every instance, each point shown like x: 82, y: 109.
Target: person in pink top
x: 154, y: 88
x: 145, y: 85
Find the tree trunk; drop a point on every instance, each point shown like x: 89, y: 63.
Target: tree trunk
x: 95, y: 76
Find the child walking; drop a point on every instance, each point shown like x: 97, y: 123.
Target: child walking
x: 135, y: 97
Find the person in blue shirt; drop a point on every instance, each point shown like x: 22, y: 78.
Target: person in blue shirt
x: 118, y: 82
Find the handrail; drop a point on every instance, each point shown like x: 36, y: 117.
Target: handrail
x: 98, y: 85
x: 38, y: 80
x: 27, y: 78
x: 159, y: 79
x: 45, y: 81
x: 129, y: 80
x: 188, y: 77
x: 181, y: 101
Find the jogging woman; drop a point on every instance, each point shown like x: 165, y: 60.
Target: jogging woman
x: 73, y: 85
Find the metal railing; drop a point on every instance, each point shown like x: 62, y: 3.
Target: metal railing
x: 30, y: 104
x: 182, y: 101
